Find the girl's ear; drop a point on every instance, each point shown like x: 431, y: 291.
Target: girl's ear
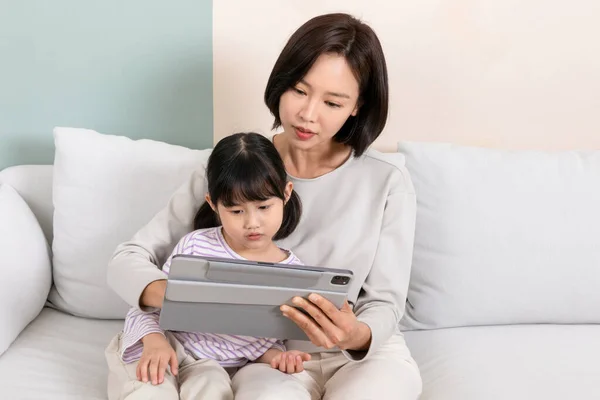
x: 210, y: 203
x: 289, y: 188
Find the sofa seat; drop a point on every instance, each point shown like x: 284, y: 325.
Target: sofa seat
x: 58, y: 357
x: 514, y: 362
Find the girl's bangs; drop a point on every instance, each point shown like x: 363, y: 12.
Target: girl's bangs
x: 249, y: 183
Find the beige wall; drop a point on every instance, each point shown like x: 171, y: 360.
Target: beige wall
x: 501, y: 73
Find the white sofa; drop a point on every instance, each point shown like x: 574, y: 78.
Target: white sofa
x: 504, y: 301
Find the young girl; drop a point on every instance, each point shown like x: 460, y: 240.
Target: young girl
x: 249, y: 203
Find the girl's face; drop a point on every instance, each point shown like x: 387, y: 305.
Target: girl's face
x: 251, y: 225
x: 314, y: 110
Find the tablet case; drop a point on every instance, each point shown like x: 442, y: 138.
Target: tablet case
x: 240, y: 297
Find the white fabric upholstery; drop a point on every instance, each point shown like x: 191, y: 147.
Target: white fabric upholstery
x: 58, y: 357
x: 24, y: 266
x: 105, y: 188
x: 522, y: 362
x: 34, y: 185
x: 503, y: 237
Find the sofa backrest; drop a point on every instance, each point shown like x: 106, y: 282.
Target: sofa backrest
x: 503, y: 237
x: 34, y: 184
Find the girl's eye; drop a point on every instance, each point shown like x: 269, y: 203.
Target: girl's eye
x: 332, y: 105
x: 236, y: 212
x: 299, y: 91
x: 266, y: 207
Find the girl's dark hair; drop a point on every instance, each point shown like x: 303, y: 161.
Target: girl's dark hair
x: 247, y: 167
x: 346, y: 36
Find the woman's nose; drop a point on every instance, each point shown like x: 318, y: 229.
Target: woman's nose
x: 308, y: 112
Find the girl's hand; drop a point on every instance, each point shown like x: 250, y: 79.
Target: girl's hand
x: 153, y: 294
x: 329, y: 327
x: 156, y: 356
x: 289, y: 362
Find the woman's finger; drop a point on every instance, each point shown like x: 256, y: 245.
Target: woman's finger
x: 329, y: 309
x: 332, y: 332
x: 314, y: 333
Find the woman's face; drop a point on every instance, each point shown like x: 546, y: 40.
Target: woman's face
x: 314, y: 110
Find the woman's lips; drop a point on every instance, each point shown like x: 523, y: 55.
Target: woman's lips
x: 303, y: 134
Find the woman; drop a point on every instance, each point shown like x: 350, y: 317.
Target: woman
x: 328, y: 91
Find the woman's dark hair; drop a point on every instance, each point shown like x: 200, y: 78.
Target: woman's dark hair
x: 346, y: 36
x: 247, y: 167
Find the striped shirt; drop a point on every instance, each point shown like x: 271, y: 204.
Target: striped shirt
x: 227, y: 350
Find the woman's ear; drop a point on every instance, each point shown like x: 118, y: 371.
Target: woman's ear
x: 210, y: 203
x: 289, y: 188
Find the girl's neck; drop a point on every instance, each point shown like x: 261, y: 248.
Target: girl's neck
x: 270, y: 253
x: 312, y: 163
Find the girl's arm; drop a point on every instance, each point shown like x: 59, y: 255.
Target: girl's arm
x: 133, y: 270
x: 139, y: 323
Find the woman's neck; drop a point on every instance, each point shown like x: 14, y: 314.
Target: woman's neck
x: 312, y: 163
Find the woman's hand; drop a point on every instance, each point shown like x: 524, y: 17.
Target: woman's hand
x: 327, y: 326
x: 156, y: 356
x: 288, y: 362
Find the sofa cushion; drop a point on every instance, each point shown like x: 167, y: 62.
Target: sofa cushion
x: 24, y: 266
x: 34, y: 185
x: 105, y: 188
x: 58, y: 357
x: 518, y: 362
x: 503, y: 237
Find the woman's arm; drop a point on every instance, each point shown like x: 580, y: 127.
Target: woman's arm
x: 134, y: 265
x: 381, y: 302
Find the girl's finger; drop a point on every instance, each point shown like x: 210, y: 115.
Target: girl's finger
x: 174, y: 364
x: 162, y: 366
x: 291, y: 364
x: 138, y: 375
x: 299, y: 364
x: 144, y: 369
x: 153, y: 370
x: 282, y: 362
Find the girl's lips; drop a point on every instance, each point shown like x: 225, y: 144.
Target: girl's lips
x: 254, y: 236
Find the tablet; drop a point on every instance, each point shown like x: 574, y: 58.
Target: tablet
x: 240, y: 297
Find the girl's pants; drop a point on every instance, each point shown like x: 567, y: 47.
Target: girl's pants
x: 389, y: 373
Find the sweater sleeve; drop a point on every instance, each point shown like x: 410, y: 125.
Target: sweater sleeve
x: 381, y: 301
x: 134, y: 263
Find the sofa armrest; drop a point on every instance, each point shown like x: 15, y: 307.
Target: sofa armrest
x: 25, y: 266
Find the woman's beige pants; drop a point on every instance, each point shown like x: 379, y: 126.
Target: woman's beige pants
x: 389, y: 373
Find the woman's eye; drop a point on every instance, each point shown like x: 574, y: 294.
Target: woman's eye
x: 299, y: 91
x: 332, y: 105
